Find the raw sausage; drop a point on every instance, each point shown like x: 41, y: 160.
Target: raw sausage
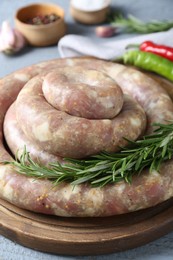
x: 66, y: 135
x: 17, y: 141
x: 84, y: 93
x: 146, y: 190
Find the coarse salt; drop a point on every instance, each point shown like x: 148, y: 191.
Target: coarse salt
x: 90, y: 5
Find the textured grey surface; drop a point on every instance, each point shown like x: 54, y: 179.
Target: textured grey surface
x: 161, y: 249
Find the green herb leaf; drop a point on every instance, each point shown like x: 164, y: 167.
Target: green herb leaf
x: 105, y: 168
x: 133, y: 25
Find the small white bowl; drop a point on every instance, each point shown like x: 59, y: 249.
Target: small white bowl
x: 91, y: 14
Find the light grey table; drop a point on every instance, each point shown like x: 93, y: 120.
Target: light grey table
x: 161, y: 249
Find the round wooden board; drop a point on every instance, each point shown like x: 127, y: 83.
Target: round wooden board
x: 85, y: 236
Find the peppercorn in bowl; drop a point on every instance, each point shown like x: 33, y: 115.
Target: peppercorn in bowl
x: 41, y: 24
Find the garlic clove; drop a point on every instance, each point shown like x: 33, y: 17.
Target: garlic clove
x: 11, y: 40
x: 20, y: 41
x: 105, y: 31
x: 7, y: 37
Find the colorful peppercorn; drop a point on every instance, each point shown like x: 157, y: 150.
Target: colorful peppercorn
x: 43, y: 19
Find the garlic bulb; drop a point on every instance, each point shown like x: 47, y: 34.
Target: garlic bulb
x: 11, y: 40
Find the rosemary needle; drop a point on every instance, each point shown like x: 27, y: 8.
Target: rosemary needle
x: 106, y: 168
x: 133, y: 25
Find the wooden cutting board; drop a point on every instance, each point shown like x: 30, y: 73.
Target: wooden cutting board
x: 85, y: 236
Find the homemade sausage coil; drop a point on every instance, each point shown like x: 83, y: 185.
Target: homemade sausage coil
x: 77, y: 108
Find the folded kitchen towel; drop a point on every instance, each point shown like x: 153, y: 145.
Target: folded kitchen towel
x: 75, y: 45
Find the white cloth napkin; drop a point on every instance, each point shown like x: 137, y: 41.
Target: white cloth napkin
x: 75, y: 45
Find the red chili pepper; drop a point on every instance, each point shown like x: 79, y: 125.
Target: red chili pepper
x: 161, y: 50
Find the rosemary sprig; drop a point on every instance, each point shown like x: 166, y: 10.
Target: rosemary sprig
x: 105, y: 168
x: 133, y: 25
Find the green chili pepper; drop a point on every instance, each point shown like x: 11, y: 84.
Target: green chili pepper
x: 150, y: 62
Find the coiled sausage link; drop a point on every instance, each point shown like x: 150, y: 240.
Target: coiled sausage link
x: 147, y: 189
x: 66, y: 135
x: 17, y: 140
